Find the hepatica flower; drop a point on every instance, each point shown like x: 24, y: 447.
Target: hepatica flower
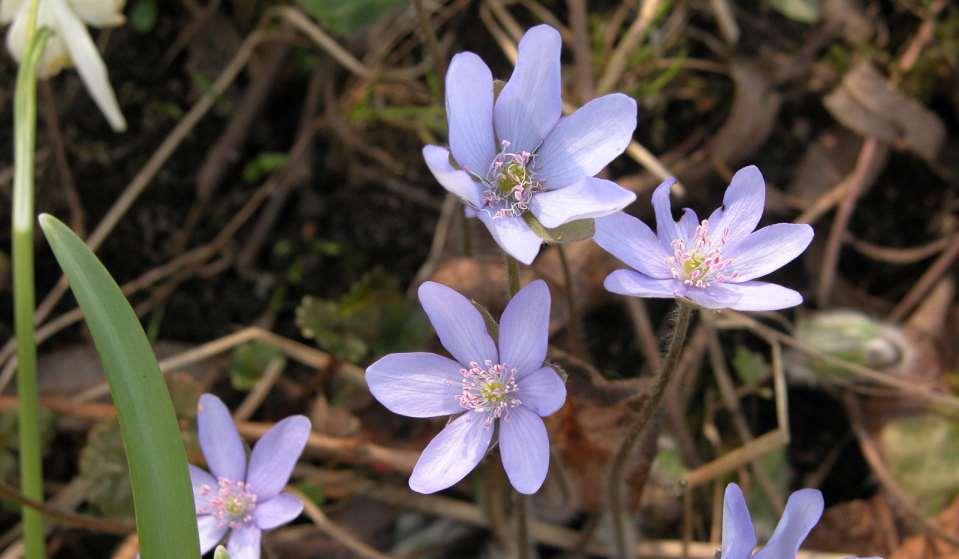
x: 483, y: 384
x: 244, y: 497
x: 712, y: 262
x: 803, y: 509
x: 516, y: 156
x: 71, y: 43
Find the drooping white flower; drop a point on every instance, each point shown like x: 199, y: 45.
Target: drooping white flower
x: 71, y: 43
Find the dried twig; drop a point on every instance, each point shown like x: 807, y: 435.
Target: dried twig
x: 637, y: 30
x: 926, y: 282
x: 334, y: 530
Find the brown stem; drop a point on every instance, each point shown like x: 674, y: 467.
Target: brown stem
x: 578, y: 343
x: 636, y: 429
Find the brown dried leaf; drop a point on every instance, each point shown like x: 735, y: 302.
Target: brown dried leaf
x: 866, y: 103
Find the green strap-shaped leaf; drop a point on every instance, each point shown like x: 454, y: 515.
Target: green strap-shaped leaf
x: 162, y: 495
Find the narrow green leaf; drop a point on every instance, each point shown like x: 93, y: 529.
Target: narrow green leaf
x: 579, y: 230
x: 163, y: 497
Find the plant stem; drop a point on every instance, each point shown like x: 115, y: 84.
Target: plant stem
x: 24, y: 297
x: 522, y: 529
x: 575, y: 333
x: 638, y: 426
x: 519, y: 510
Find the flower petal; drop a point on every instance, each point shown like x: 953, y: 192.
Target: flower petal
x: 452, y: 453
x: 666, y: 229
x: 454, y: 180
x: 588, y: 198
x: 524, y: 446
x: 542, y: 391
x: 742, y: 206
x: 635, y: 284
x: 100, y: 13
x: 469, y: 111
x: 633, y: 242
x: 87, y: 59
x: 513, y: 235
x: 803, y: 509
x: 768, y: 249
x: 416, y: 384
x: 531, y: 101
x: 219, y: 439
x: 210, y: 532
x: 275, y: 454
x: 244, y: 542
x: 277, y: 511
x: 746, y: 296
x: 204, y: 487
x: 524, y: 328
x: 585, y: 142
x: 739, y: 536
x: 460, y: 327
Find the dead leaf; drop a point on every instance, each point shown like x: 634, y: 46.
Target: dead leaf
x: 866, y: 103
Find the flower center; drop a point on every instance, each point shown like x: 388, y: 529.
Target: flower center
x: 702, y: 264
x: 510, y: 184
x: 489, y: 388
x: 232, y: 504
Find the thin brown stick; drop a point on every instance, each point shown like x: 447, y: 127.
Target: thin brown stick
x: 429, y: 37
x: 926, y: 282
x: 730, y: 401
x: 334, y: 530
x: 73, y: 520
x: 871, y: 156
x: 637, y: 30
x: 582, y: 51
x: 907, y: 255
x: 260, y: 391
x: 907, y: 388
x: 52, y: 120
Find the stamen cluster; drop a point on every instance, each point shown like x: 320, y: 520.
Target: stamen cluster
x: 489, y: 388
x: 233, y: 504
x: 703, y: 263
x: 510, y: 184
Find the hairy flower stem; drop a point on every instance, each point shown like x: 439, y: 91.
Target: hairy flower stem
x: 24, y: 296
x: 522, y: 529
x: 575, y: 334
x: 638, y: 426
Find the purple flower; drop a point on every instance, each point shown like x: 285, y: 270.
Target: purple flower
x: 484, y: 384
x: 712, y: 263
x: 517, y: 155
x: 243, y: 497
x: 803, y: 509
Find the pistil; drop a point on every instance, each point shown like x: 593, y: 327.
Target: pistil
x: 489, y: 388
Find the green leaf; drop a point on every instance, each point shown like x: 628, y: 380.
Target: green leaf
x: 263, y: 164
x: 249, y: 362
x: 923, y: 457
x: 346, y: 17
x: 579, y: 230
x: 803, y: 11
x: 143, y: 16
x: 166, y: 519
x: 749, y: 365
x: 374, y: 317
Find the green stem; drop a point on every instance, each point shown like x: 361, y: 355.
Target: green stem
x: 638, y: 426
x: 24, y: 297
